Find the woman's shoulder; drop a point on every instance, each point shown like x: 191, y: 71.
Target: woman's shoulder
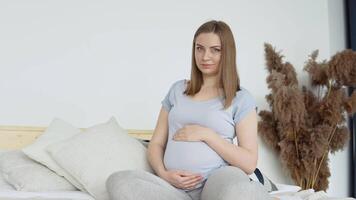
x: 179, y: 84
x: 242, y: 104
x: 243, y: 95
x: 243, y: 91
x: 182, y: 82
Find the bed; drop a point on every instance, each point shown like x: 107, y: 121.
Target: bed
x: 18, y: 137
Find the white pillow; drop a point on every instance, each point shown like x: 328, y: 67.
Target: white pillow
x: 92, y: 156
x: 24, y: 174
x: 58, y: 130
x: 4, y: 185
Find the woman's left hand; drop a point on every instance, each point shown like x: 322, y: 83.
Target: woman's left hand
x: 192, y: 133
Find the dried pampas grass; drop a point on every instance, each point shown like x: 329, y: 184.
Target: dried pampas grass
x: 303, y: 127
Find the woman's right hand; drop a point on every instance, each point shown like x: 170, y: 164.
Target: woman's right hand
x: 182, y: 179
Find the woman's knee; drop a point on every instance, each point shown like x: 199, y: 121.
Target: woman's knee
x: 229, y: 174
x: 121, y: 177
x: 238, y: 191
x: 119, y: 185
x: 231, y: 183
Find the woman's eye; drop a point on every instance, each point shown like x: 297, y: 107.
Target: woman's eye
x: 216, y: 50
x: 199, y: 48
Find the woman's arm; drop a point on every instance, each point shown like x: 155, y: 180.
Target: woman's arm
x: 244, y: 155
x: 158, y: 142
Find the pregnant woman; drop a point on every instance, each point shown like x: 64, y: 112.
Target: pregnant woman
x: 192, y: 151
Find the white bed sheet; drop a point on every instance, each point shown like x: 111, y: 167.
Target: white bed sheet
x: 305, y: 195
x: 62, y: 195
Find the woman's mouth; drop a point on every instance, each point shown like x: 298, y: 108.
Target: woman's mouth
x: 207, y: 66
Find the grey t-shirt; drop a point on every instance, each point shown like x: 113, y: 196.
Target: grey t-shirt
x: 198, y: 157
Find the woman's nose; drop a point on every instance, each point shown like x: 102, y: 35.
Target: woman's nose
x: 206, y: 55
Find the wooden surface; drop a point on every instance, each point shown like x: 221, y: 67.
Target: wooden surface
x: 17, y: 137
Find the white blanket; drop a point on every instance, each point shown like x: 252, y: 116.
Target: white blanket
x: 306, y: 195
x: 63, y: 195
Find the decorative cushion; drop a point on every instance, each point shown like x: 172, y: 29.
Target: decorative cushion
x: 25, y: 174
x: 92, y: 156
x: 4, y: 185
x: 57, y: 131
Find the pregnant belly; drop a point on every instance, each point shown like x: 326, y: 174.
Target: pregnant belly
x: 191, y: 156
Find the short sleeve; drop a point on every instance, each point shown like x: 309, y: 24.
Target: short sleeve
x: 168, y: 100
x: 243, y: 104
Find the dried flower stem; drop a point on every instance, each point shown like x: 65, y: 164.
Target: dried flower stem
x: 299, y: 180
x: 317, y: 172
x: 329, y: 88
x: 309, y: 180
x: 311, y: 173
x: 322, y: 159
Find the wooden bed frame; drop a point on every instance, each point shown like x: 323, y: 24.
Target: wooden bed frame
x: 17, y: 137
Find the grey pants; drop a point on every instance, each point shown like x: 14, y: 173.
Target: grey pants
x: 226, y: 183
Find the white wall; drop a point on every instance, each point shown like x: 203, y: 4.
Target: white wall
x: 339, y: 163
x: 85, y: 61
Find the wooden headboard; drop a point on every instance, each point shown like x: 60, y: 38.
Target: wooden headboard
x: 17, y: 137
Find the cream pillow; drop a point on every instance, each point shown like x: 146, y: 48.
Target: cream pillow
x: 24, y: 174
x: 92, y: 156
x: 4, y: 185
x: 57, y: 131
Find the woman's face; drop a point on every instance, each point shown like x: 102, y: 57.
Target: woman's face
x: 208, y: 53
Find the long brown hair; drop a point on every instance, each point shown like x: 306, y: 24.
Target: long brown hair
x: 229, y: 79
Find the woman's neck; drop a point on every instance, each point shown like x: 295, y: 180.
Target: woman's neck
x: 210, y: 82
